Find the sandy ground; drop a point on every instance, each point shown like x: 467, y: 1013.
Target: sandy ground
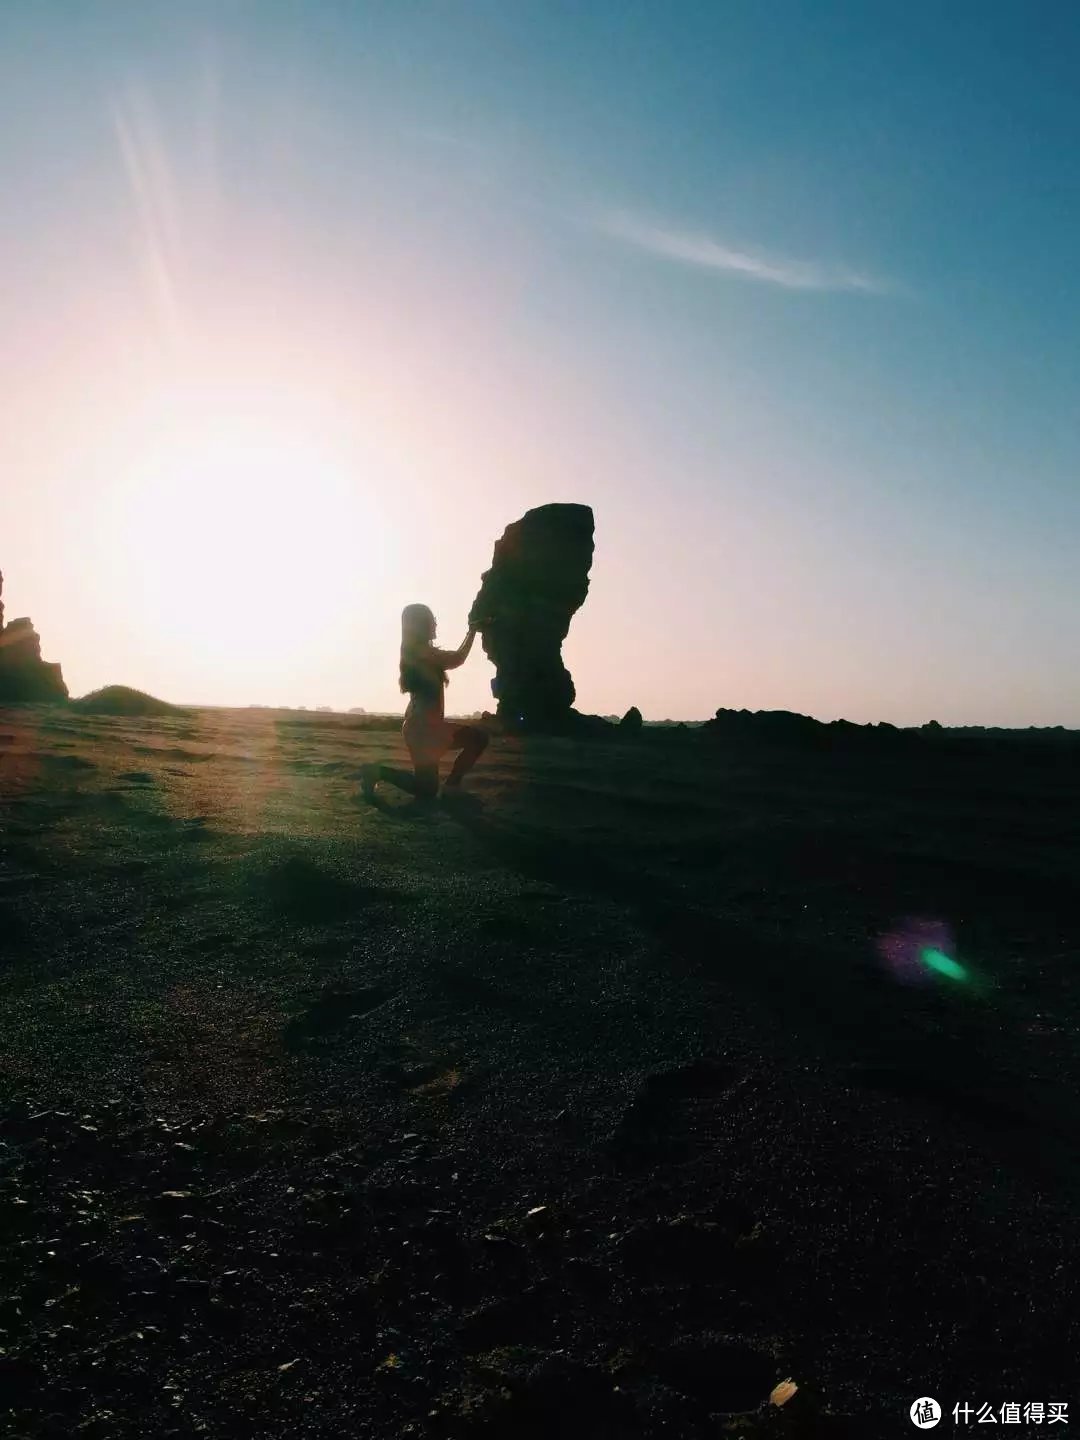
x: 597, y: 1106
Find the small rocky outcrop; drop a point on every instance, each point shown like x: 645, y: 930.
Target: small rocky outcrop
x: 539, y: 577
x: 789, y: 729
x: 631, y: 722
x: 24, y: 676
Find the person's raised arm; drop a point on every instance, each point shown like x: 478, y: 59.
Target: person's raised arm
x: 451, y: 659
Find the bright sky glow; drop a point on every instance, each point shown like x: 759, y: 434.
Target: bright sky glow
x: 303, y: 304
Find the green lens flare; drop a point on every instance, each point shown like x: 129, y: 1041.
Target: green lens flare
x: 937, y: 960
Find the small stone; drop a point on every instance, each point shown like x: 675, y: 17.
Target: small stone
x: 783, y: 1392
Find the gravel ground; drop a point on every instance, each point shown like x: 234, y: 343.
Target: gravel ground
x: 600, y: 1103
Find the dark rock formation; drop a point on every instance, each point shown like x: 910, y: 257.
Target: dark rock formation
x: 784, y: 729
x: 788, y: 729
x: 631, y: 722
x: 24, y: 676
x: 539, y: 576
x: 590, y: 726
x: 784, y: 726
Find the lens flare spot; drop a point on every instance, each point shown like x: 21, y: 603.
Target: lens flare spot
x: 920, y: 951
x: 935, y: 959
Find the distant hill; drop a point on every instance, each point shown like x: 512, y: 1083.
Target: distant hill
x: 122, y: 700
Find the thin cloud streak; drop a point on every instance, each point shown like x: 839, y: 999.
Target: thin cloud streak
x: 704, y: 253
x: 153, y: 191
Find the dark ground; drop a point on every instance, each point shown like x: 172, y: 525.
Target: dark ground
x: 590, y: 1109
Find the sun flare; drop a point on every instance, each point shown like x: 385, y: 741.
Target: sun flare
x: 240, y: 528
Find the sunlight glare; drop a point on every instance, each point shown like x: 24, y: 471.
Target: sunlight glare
x: 244, y: 533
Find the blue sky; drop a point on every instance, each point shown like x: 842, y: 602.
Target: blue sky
x: 786, y: 291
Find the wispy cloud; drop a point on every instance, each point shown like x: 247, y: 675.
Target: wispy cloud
x: 174, y: 189
x: 706, y: 253
x: 153, y: 191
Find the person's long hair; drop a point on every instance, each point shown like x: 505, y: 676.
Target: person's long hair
x: 417, y: 630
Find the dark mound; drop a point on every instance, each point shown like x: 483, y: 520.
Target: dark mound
x: 789, y: 730
x: 122, y: 700
x: 787, y: 727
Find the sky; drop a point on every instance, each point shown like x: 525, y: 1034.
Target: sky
x: 303, y: 303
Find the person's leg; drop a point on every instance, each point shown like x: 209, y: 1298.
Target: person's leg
x: 426, y: 780
x: 471, y: 742
x: 377, y: 771
x: 422, y: 781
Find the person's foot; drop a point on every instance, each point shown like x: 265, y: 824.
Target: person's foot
x: 369, y: 775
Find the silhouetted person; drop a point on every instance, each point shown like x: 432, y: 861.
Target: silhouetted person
x: 427, y: 732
